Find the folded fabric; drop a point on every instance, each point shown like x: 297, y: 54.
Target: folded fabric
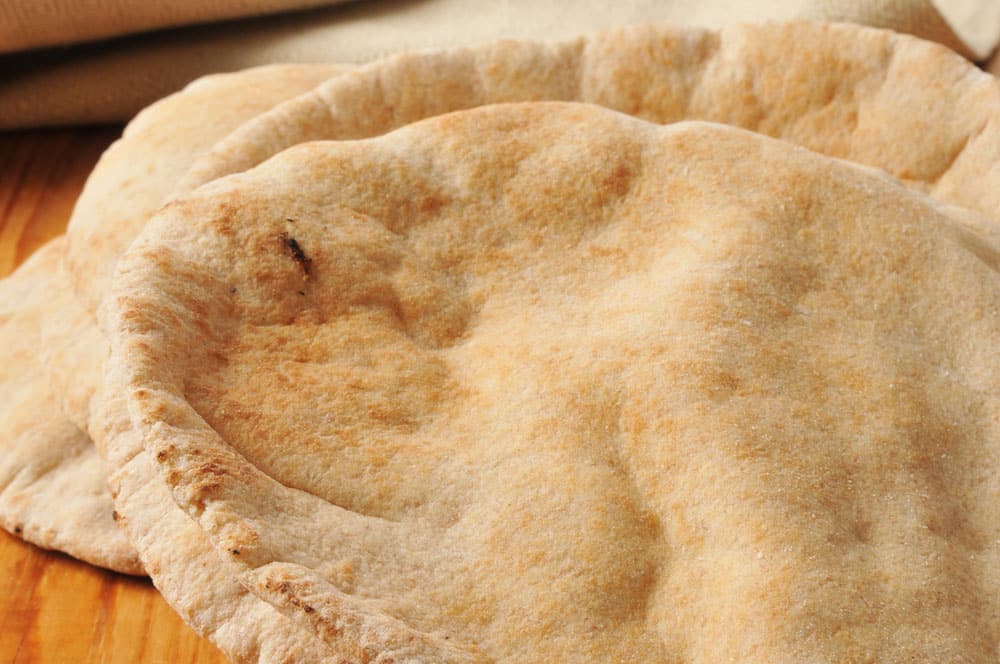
x: 30, y: 24
x: 110, y: 81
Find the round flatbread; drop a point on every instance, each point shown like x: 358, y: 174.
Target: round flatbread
x: 851, y: 87
x: 545, y: 382
x: 53, y: 484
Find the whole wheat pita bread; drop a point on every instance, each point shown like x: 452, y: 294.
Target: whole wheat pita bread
x: 132, y: 179
x: 907, y: 106
x: 73, y: 380
x: 416, y: 85
x: 544, y: 382
x: 53, y: 484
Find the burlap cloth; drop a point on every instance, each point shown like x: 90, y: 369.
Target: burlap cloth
x: 110, y: 80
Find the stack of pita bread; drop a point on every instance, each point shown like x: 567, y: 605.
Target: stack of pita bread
x: 655, y: 345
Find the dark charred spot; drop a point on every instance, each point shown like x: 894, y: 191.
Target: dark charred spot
x: 115, y: 515
x: 161, y: 456
x: 302, y: 292
x: 232, y: 290
x: 308, y: 609
x: 299, y: 256
x: 235, y: 552
x: 289, y: 220
x: 18, y: 530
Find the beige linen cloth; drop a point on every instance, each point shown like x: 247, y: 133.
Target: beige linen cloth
x: 111, y: 80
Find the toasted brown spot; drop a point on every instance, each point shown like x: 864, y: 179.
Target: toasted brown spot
x: 430, y: 204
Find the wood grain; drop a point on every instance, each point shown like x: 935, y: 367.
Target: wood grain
x: 41, y: 174
x: 54, y: 609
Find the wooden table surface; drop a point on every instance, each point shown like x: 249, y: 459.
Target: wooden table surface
x: 54, y: 608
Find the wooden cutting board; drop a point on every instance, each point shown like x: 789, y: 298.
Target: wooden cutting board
x: 54, y: 609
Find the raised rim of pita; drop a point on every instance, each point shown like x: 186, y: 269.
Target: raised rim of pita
x: 202, y: 588
x: 910, y: 107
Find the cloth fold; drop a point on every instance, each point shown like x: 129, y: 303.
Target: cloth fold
x: 111, y: 80
x: 27, y: 24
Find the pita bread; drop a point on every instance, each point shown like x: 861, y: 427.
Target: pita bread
x: 427, y: 83
x: 159, y: 145
x: 53, y: 484
x: 909, y: 107
x: 432, y: 82
x: 545, y: 382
